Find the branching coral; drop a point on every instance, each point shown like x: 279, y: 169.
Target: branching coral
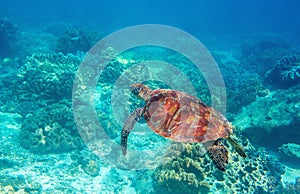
x: 286, y: 72
x: 292, y: 72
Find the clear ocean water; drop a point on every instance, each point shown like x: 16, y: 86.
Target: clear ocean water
x: 72, y: 122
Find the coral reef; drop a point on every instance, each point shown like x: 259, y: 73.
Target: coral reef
x: 75, y: 40
x: 258, y: 43
x: 191, y: 171
x: 47, y: 76
x: 240, y: 97
x: 260, y: 52
x: 272, y: 120
x: 292, y: 188
x: 244, y: 91
x: 81, y: 96
x: 285, y: 73
x: 290, y: 151
x: 34, y: 41
x: 7, y: 29
x: 50, y: 129
x: 8, y: 33
x: 8, y: 84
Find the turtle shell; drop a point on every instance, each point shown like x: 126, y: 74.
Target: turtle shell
x: 184, y: 118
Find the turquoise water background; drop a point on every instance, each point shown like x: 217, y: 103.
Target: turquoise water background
x: 43, y: 44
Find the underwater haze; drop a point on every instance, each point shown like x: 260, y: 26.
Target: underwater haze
x: 218, y: 111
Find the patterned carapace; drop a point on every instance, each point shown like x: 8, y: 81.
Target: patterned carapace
x: 183, y: 118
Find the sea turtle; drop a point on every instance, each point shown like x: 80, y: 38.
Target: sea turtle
x: 182, y: 118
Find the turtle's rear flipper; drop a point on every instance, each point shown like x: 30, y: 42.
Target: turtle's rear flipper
x: 219, y: 155
x: 237, y: 147
x: 130, y: 122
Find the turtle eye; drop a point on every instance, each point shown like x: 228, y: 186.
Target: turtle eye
x: 135, y: 90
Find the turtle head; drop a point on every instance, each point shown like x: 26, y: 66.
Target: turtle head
x: 141, y: 90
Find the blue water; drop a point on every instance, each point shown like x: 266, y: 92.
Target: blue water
x: 208, y: 17
x: 65, y: 72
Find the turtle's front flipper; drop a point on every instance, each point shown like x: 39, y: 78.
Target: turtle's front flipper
x: 131, y: 120
x: 237, y: 147
x: 219, y: 155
